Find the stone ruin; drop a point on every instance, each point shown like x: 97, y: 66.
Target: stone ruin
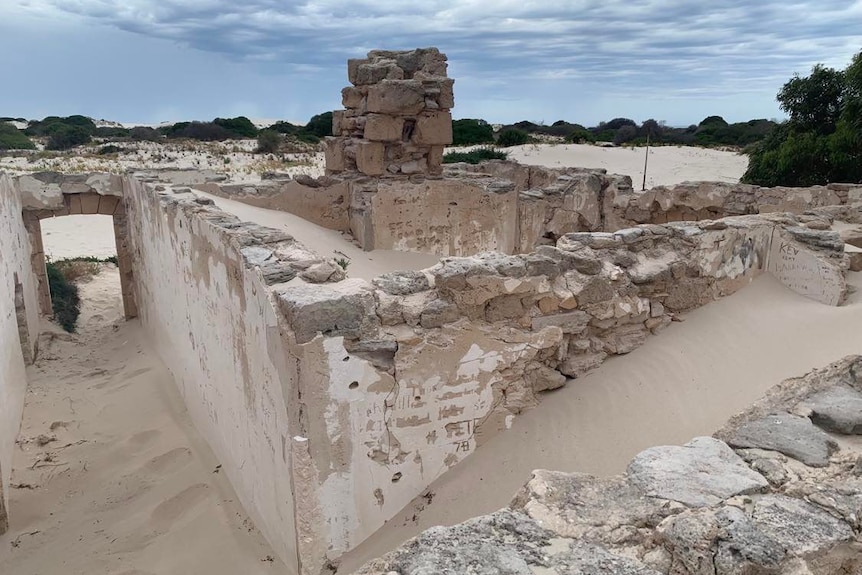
x: 396, y: 118
x: 341, y: 399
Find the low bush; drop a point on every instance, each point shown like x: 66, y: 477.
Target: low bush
x: 474, y: 156
x: 67, y: 137
x: 508, y: 138
x: 11, y: 138
x: 268, y: 142
x: 144, y: 134
x: 110, y: 149
x: 65, y: 300
x: 469, y: 131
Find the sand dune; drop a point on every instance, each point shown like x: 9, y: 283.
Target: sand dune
x: 667, y: 164
x: 111, y: 477
x: 687, y: 381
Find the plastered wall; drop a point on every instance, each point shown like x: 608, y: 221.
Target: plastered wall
x: 211, y: 321
x: 19, y: 323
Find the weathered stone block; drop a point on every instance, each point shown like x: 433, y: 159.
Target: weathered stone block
x: 369, y: 158
x: 90, y: 203
x: 337, y: 122
x: 433, y: 129
x: 334, y: 155
x: 381, y: 128
x: 344, y: 309
x: 352, y: 97
x: 406, y: 98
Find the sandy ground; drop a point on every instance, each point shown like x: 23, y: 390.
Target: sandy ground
x: 328, y: 243
x: 685, y: 382
x: 667, y: 164
x: 72, y: 236
x: 111, y: 477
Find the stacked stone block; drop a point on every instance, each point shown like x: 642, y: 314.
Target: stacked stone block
x: 397, y: 116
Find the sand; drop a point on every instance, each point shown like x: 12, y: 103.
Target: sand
x: 686, y: 381
x: 667, y: 164
x: 111, y: 476
x: 328, y: 243
x: 74, y: 236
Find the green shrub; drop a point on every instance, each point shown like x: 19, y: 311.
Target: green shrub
x: 319, y: 125
x: 111, y: 132
x: 67, y: 137
x: 240, y: 126
x: 268, y: 142
x: 52, y: 124
x: 468, y: 131
x: 144, y: 134
x: 110, y: 149
x: 11, y: 138
x: 65, y: 300
x: 474, y: 156
x: 508, y: 138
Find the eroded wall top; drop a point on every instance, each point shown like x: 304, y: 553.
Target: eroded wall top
x: 396, y: 119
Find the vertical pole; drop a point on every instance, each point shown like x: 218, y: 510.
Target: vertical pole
x: 646, y: 161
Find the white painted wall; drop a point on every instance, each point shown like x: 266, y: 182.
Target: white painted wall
x: 14, y: 259
x: 212, y: 323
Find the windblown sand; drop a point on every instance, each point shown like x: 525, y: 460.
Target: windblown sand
x: 110, y: 476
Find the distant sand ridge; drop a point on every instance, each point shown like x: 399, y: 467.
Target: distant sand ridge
x: 339, y: 372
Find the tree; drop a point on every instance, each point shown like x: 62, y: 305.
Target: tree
x: 625, y: 133
x: 469, y: 131
x: 814, y: 103
x: 821, y: 142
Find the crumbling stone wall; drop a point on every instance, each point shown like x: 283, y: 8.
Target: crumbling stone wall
x: 396, y: 118
x: 414, y: 371
x: 777, y: 490
x: 19, y: 327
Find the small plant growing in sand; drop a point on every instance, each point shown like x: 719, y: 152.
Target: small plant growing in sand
x: 343, y: 263
x: 65, y: 301
x: 474, y: 156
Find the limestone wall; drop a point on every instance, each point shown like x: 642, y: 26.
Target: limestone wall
x: 208, y: 314
x: 436, y: 216
x: 323, y: 201
x: 414, y: 371
x: 19, y: 327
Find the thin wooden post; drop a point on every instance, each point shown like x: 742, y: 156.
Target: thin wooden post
x: 646, y: 161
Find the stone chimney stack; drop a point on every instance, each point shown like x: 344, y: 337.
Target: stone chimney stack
x: 397, y: 115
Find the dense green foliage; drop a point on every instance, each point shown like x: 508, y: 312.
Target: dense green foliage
x: 52, y: 124
x: 68, y: 136
x: 474, y: 156
x: 713, y: 131
x: 320, y: 125
x: 144, y: 134
x: 268, y: 142
x: 240, y: 126
x: 821, y: 141
x: 468, y: 132
x: 11, y: 138
x: 64, y: 297
x: 512, y: 137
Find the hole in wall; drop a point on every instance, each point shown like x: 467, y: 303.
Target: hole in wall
x: 408, y: 129
x: 346, y: 358
x: 353, y: 385
x: 396, y: 478
x: 21, y: 319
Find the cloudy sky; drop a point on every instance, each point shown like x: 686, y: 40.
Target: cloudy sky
x: 579, y: 60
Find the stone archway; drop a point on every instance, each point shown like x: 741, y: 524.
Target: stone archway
x: 52, y: 195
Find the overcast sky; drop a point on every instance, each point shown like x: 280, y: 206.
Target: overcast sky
x: 579, y: 60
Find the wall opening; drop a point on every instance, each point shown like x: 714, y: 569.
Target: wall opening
x: 83, y: 250
x: 21, y: 318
